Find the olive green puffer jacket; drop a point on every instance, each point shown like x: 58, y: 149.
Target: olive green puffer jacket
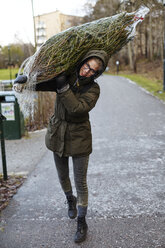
x: 69, y: 129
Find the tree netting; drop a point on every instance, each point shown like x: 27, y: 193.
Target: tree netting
x: 62, y: 52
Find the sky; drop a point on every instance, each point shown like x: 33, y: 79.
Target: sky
x: 16, y: 22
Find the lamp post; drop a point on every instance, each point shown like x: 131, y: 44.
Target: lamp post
x: 34, y: 25
x: 3, y: 153
x: 164, y: 51
x: 9, y: 55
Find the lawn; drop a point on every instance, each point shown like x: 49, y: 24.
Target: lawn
x: 5, y: 73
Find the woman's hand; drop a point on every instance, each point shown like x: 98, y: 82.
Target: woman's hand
x: 19, y: 83
x: 61, y: 83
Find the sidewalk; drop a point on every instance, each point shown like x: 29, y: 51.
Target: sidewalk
x: 23, y: 154
x: 37, y: 216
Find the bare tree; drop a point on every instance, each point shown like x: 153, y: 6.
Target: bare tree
x: 102, y: 8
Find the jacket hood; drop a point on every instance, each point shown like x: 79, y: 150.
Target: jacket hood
x: 96, y: 53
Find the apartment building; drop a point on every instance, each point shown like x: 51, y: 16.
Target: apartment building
x: 52, y: 23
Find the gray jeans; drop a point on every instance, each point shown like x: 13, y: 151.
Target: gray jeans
x: 80, y: 166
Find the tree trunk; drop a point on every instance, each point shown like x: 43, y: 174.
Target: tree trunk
x: 150, y: 39
x: 162, y: 36
x: 141, y: 41
x: 134, y: 55
x: 130, y: 55
x: 146, y: 42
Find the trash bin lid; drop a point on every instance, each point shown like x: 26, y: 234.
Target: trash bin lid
x: 8, y: 96
x: 7, y: 93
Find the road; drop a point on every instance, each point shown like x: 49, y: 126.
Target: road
x: 125, y: 177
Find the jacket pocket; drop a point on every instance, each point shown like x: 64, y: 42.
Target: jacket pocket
x: 52, y: 139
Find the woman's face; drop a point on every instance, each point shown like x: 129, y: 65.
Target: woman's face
x: 89, y: 68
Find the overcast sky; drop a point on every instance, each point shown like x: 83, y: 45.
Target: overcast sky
x: 16, y: 22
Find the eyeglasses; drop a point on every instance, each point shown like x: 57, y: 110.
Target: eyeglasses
x: 87, y: 67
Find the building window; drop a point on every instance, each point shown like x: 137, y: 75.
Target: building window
x: 40, y: 33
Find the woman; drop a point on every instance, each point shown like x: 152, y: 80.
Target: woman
x: 69, y: 130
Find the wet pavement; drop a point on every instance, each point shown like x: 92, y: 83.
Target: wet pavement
x: 125, y: 177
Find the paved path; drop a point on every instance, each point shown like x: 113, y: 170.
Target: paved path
x: 126, y: 181
x: 23, y: 154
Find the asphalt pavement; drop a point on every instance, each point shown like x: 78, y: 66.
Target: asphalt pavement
x: 23, y: 154
x: 125, y: 178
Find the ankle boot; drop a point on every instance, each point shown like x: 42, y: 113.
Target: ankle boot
x: 82, y: 228
x: 72, y: 210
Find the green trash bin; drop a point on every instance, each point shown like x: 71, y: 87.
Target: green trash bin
x: 14, y: 123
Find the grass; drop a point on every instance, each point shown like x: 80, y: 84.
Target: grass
x: 5, y: 73
x: 154, y: 86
